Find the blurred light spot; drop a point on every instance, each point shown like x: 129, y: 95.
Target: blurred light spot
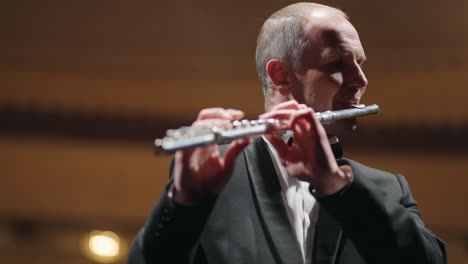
x: 103, y: 246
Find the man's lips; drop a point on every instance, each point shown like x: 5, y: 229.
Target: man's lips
x: 346, y: 104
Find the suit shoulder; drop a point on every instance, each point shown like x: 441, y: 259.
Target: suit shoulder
x: 383, y: 181
x: 359, y: 167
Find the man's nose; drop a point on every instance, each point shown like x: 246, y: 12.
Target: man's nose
x: 355, y: 77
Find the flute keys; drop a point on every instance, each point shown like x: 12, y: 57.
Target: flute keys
x: 158, y: 142
x: 215, y: 129
x: 174, y: 133
x: 250, y: 123
x: 243, y: 123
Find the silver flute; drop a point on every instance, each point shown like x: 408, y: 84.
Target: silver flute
x: 191, y: 137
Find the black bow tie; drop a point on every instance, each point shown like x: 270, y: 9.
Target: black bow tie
x: 337, y: 150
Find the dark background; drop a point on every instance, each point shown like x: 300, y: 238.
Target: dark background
x: 86, y: 86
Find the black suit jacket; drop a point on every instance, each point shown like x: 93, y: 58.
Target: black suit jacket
x: 374, y: 220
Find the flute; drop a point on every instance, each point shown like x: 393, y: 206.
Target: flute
x: 188, y: 137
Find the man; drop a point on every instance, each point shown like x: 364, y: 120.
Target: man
x: 280, y: 202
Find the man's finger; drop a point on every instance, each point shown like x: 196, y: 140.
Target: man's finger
x: 235, y: 114
x: 305, y: 126
x: 279, y: 114
x: 221, y: 113
x: 308, y: 131
x: 281, y: 147
x: 292, y: 104
x: 211, y: 122
x: 302, y: 106
x: 316, y: 128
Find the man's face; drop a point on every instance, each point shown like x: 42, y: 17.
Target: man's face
x: 331, y: 77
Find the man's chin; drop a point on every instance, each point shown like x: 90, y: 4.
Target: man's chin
x: 341, y: 127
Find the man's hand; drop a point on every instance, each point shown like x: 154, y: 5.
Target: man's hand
x: 201, y: 172
x: 310, y: 157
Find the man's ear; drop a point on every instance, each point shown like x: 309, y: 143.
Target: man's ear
x: 278, y: 72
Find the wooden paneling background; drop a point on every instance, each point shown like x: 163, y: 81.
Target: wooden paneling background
x: 86, y: 85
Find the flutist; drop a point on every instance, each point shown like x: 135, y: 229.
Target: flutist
x: 289, y: 198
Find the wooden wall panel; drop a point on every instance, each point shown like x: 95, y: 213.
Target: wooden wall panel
x: 65, y: 65
x: 177, y: 57
x: 79, y: 181
x: 85, y: 181
x: 437, y: 96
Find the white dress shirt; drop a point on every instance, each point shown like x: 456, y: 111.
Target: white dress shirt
x: 302, y: 206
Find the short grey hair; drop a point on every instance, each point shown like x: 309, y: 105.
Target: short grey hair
x: 282, y: 37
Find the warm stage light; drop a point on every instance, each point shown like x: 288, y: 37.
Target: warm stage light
x: 106, y: 244
x: 103, y: 246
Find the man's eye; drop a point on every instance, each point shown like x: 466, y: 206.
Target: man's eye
x: 337, y: 63
x: 334, y: 66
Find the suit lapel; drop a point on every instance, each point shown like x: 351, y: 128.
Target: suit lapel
x: 270, y: 205
x: 327, y: 232
x: 326, y: 240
